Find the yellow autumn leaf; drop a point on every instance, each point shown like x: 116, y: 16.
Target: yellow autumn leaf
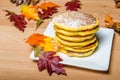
x: 29, y: 12
x: 49, y: 44
x: 49, y: 47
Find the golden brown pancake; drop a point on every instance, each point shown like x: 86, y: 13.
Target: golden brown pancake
x: 75, y: 21
x: 75, y: 44
x: 75, y: 38
x: 80, y: 49
x: 76, y: 54
x: 75, y: 33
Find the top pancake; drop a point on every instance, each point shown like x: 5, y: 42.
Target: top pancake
x: 75, y: 21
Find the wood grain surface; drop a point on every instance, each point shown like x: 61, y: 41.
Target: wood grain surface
x: 15, y: 63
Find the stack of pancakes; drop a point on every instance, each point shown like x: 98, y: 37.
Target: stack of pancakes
x: 75, y: 33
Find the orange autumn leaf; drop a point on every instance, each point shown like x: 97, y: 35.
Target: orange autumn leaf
x: 34, y: 7
x: 108, y: 19
x: 47, y: 5
x: 36, y: 39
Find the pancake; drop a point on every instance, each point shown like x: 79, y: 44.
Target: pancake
x: 75, y: 44
x: 80, y: 49
x: 74, y: 38
x: 77, y: 54
x: 74, y: 33
x: 75, y: 21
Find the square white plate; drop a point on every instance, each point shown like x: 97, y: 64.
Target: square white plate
x: 99, y: 60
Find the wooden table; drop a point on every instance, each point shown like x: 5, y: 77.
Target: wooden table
x: 15, y: 63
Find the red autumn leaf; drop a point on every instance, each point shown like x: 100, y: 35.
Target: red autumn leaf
x: 19, y: 20
x: 51, y: 63
x: 44, y: 14
x: 73, y: 5
x: 47, y: 13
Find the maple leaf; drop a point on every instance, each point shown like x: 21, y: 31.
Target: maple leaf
x: 47, y: 13
x: 29, y: 12
x: 47, y: 5
x: 49, y: 44
x: 44, y: 14
x: 51, y: 63
x: 19, y: 20
x: 35, y: 39
x: 73, y: 5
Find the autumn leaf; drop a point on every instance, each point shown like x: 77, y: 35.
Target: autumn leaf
x: 47, y: 10
x: 29, y: 12
x: 35, y: 39
x: 108, y: 19
x: 51, y: 63
x: 49, y: 44
x: 19, y: 20
x: 117, y: 2
x: 47, y: 13
x: 110, y: 23
x: 73, y: 5
x: 47, y: 5
x: 44, y: 48
x: 28, y: 2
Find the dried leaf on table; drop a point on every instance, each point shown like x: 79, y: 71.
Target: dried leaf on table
x: 28, y: 2
x: 19, y: 20
x: 51, y: 63
x: 49, y: 44
x: 29, y: 12
x: 117, y: 3
x: 47, y: 10
x: 47, y: 5
x: 47, y: 13
x: 35, y: 39
x: 45, y: 48
x: 116, y: 27
x: 109, y: 21
x: 73, y: 5
x: 112, y: 24
x: 40, y: 40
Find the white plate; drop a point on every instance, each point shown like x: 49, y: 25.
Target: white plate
x: 98, y: 61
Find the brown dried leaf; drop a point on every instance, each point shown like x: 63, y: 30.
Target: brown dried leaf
x: 20, y: 2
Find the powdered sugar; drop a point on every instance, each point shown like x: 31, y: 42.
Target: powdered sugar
x: 75, y: 19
